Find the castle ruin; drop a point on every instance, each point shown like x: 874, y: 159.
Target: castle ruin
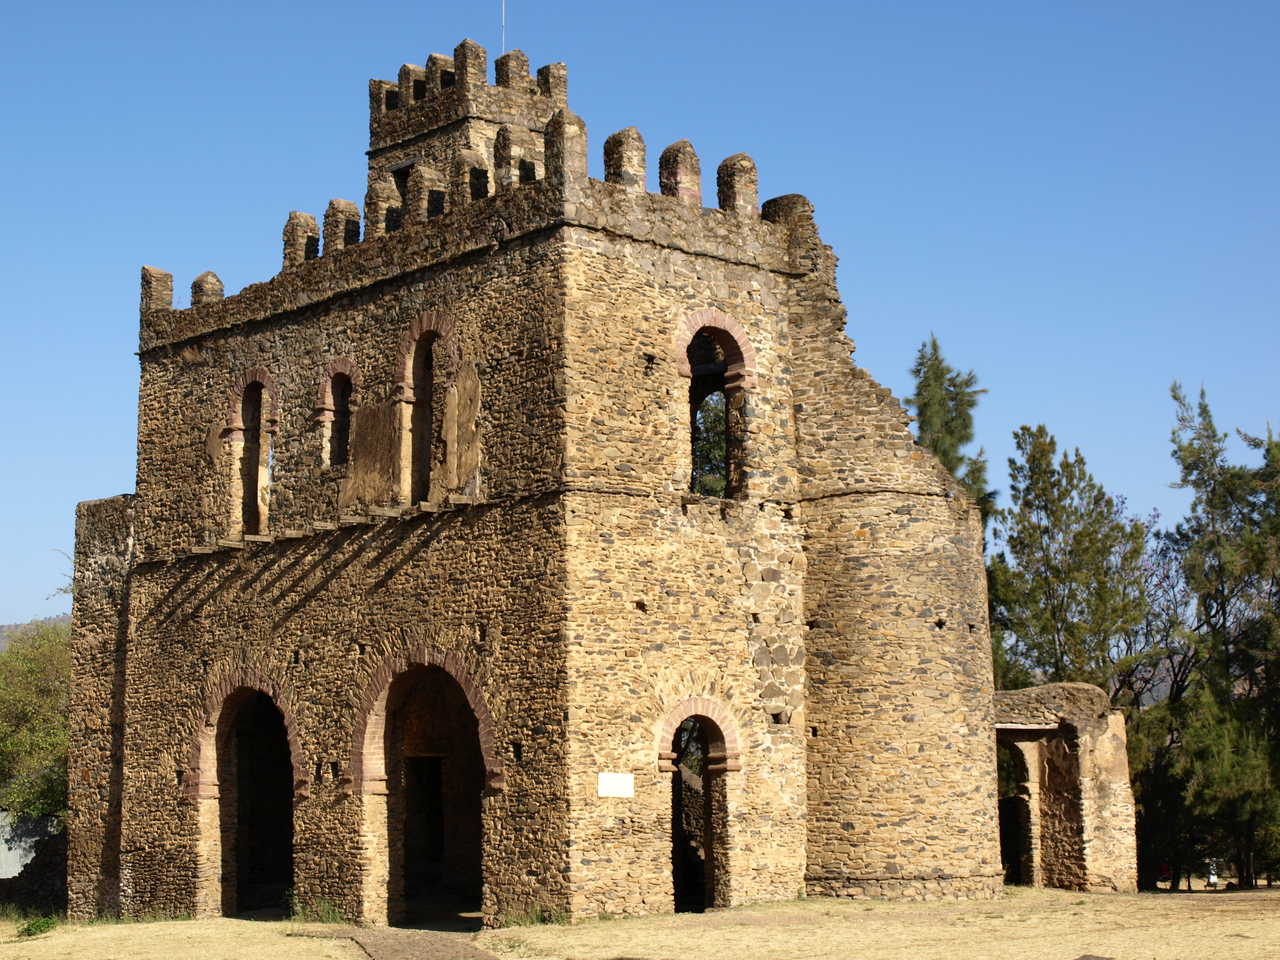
x: 423, y: 593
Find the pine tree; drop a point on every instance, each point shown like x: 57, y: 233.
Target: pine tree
x: 1072, y: 586
x: 943, y: 403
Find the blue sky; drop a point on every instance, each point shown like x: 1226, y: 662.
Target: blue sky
x: 1080, y: 199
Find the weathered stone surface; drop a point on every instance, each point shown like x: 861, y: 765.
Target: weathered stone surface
x: 512, y: 509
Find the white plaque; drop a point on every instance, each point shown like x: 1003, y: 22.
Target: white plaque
x: 615, y: 785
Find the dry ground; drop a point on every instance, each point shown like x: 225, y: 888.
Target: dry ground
x: 1026, y: 925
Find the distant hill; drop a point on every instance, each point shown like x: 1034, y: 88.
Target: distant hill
x: 7, y: 628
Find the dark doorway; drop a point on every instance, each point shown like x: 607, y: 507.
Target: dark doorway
x: 1014, y: 814
x: 435, y: 780
x: 697, y: 817
x: 256, y: 806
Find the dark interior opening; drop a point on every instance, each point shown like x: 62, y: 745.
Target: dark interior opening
x: 1014, y: 814
x: 257, y: 809
x: 528, y: 172
x: 251, y: 458
x: 716, y: 419
x: 419, y: 89
x: 479, y: 183
x: 340, y: 432
x: 394, y: 219
x: 435, y: 203
x: 350, y: 232
x: 401, y: 177
x: 392, y: 99
x: 435, y: 779
x: 423, y: 420
x: 447, y: 78
x: 693, y: 832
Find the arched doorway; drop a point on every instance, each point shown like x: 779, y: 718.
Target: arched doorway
x: 255, y: 805
x: 435, y: 778
x: 699, y: 816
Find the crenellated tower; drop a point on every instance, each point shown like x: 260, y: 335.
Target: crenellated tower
x: 431, y: 556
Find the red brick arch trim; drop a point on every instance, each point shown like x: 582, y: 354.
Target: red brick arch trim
x: 429, y: 322
x: 225, y: 688
x: 240, y: 385
x: 728, y: 333
x: 724, y: 748
x: 324, y: 390
x: 367, y: 768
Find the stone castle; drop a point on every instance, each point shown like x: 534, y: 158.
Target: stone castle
x: 532, y: 541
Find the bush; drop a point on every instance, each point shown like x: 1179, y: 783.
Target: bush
x: 38, y: 925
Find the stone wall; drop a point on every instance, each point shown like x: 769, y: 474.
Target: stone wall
x: 1082, y: 811
x: 827, y: 620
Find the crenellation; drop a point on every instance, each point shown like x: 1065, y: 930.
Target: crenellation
x: 680, y: 173
x: 512, y: 70
x: 442, y: 73
x: 157, y: 291
x: 412, y: 83
x: 301, y: 238
x: 341, y: 226
x: 471, y: 64
x: 565, y: 152
x: 553, y: 83
x: 206, y: 288
x: 422, y: 183
x: 624, y: 160
x: 382, y: 210
x: 738, y: 185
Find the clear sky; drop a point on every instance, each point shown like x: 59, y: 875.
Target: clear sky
x: 1080, y: 199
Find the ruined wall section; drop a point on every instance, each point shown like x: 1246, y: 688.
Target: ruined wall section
x: 901, y: 788
x: 99, y: 646
x: 1086, y: 801
x: 313, y: 622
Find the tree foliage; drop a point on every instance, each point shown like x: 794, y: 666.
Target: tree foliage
x: 710, y: 447
x: 943, y: 404
x: 1071, y: 588
x: 34, y: 678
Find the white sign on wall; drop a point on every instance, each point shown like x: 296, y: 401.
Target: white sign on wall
x: 615, y: 785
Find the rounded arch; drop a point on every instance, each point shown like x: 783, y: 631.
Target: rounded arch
x: 729, y: 335
x: 231, y: 685
x: 367, y: 769
x: 241, y: 383
x: 324, y: 390
x: 724, y: 744
x: 429, y: 321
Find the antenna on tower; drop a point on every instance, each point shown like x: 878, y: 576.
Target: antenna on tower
x: 504, y: 26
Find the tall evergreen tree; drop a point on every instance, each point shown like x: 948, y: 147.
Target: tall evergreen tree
x: 1072, y: 587
x: 943, y: 404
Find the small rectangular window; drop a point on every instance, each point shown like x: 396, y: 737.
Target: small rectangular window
x: 392, y: 99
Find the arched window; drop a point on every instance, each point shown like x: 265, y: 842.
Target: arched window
x: 423, y: 420
x: 255, y: 462
x: 717, y: 407
x: 340, y: 389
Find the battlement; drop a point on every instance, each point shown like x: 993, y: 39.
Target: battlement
x: 440, y: 195
x: 423, y: 99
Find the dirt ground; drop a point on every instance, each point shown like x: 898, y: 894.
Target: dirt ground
x: 1026, y: 925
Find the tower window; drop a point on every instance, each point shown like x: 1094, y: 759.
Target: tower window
x: 716, y: 417
x: 340, y: 388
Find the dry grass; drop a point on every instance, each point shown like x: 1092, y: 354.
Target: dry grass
x: 219, y: 939
x: 1026, y: 925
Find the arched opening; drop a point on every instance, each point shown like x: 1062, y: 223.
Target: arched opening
x: 340, y: 390
x: 1015, y: 814
x: 255, y: 805
x: 423, y: 421
x: 255, y: 461
x: 717, y: 414
x: 435, y: 777
x: 699, y: 816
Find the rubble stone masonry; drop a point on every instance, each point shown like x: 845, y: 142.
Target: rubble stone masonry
x: 450, y: 440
